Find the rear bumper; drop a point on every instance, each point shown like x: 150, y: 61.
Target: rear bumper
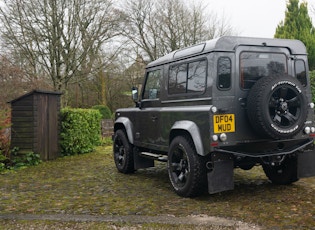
x: 260, y: 150
x: 221, y: 176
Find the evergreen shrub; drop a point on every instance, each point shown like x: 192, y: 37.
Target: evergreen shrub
x: 104, y: 110
x: 80, y: 130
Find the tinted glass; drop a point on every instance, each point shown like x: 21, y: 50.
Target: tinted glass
x: 178, y: 79
x: 187, y: 78
x: 254, y: 65
x: 300, y: 71
x: 224, y: 73
x: 152, y: 86
x: 196, y: 76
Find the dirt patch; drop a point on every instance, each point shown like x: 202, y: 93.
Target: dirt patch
x: 197, y: 220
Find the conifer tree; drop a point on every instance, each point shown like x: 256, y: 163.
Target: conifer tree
x: 298, y: 25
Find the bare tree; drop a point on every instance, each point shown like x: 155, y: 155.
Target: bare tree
x: 158, y: 27
x: 59, y: 38
x: 14, y: 82
x: 101, y: 87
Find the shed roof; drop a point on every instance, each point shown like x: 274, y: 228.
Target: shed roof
x: 36, y: 91
x: 230, y: 43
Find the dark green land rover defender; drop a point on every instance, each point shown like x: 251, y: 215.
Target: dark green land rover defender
x: 225, y: 103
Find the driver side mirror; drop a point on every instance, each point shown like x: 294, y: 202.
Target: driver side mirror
x: 135, y: 96
x: 134, y: 93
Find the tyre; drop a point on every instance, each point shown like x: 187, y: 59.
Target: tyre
x: 186, y: 169
x: 123, y: 154
x: 277, y: 107
x: 283, y: 174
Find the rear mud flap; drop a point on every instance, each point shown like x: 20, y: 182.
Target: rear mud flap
x: 221, y: 177
x: 306, y: 164
x: 141, y: 162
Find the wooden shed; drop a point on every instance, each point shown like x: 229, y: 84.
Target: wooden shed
x: 36, y: 123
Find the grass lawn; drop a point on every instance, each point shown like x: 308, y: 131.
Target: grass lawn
x: 89, y: 184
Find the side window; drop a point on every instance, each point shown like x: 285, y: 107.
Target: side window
x: 177, y: 79
x: 300, y: 71
x: 197, y: 76
x: 224, y: 73
x: 187, y: 78
x: 152, y: 85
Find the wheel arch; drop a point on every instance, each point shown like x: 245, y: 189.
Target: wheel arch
x: 190, y: 128
x: 125, y: 124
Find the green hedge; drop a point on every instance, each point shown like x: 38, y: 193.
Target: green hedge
x: 80, y: 130
x: 104, y: 110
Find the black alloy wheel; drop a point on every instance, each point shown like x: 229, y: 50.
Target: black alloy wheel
x: 185, y: 168
x: 123, y: 154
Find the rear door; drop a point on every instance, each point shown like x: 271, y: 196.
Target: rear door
x: 253, y: 63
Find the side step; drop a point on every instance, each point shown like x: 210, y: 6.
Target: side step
x: 154, y: 156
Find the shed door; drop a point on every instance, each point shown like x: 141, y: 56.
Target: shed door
x: 48, y: 126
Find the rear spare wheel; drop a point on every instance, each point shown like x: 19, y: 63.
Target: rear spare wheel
x: 277, y: 107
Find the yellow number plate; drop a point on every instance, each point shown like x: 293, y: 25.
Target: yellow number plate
x: 224, y: 123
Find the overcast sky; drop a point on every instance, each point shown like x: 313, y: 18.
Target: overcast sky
x: 254, y: 18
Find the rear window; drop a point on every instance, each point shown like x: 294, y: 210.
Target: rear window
x: 254, y: 65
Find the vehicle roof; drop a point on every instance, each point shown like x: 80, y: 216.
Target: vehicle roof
x: 229, y: 44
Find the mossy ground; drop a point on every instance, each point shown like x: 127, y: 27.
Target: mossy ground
x: 90, y: 184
